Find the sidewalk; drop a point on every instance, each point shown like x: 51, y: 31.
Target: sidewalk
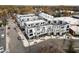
x: 7, y: 41
x: 7, y: 44
x: 24, y: 40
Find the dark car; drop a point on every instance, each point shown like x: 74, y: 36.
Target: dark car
x: 8, y: 27
x: 19, y: 38
x: 14, y: 28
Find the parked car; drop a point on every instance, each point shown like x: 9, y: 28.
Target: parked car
x: 14, y: 28
x: 19, y: 38
x: 8, y: 27
x: 1, y: 49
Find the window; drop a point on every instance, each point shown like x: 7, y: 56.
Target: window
x: 30, y: 31
x: 32, y: 25
x: 37, y: 24
x: 43, y: 29
x: 29, y: 25
x: 38, y: 33
x: 49, y: 22
x: 67, y: 29
x: 41, y: 23
x: 25, y: 24
x: 30, y: 34
x: 27, y: 19
x: 52, y: 33
x: 68, y: 26
x: 54, y: 21
x: 58, y: 33
x: 38, y: 29
x: 22, y: 20
x: 62, y: 26
x: 34, y: 19
x: 49, y: 29
x: 52, y: 29
x: 60, y: 22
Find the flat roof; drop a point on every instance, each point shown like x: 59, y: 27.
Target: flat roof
x: 69, y: 20
x: 36, y: 21
x: 46, y: 16
x: 75, y: 28
x: 25, y: 18
x: 76, y: 15
x: 29, y: 17
x: 26, y: 15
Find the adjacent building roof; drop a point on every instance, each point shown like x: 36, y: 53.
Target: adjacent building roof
x: 75, y: 28
x: 75, y: 16
x: 29, y: 18
x: 36, y: 21
x: 46, y: 16
x: 69, y: 20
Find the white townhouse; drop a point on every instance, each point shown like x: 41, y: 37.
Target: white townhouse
x: 35, y: 28
x: 60, y: 27
x: 21, y: 19
x: 18, y: 16
x: 46, y: 17
x: 40, y: 27
x: 43, y: 24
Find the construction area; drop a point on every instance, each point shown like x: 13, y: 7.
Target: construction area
x: 33, y: 29
x: 58, y: 39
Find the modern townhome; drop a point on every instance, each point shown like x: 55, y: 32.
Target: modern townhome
x: 73, y: 22
x: 60, y: 27
x: 44, y: 24
x: 24, y: 18
x: 35, y: 28
x: 46, y: 17
x: 41, y: 27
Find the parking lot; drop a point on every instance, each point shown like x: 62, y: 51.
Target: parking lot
x: 2, y: 39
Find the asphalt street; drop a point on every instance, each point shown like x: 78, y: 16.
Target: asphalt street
x: 15, y: 45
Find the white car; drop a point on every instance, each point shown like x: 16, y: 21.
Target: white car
x: 1, y: 49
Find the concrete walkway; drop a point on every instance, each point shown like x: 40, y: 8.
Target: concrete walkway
x: 23, y: 39
x: 7, y: 40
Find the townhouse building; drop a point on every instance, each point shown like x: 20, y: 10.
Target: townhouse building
x: 42, y: 24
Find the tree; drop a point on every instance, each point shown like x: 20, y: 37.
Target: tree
x: 0, y: 24
x: 4, y: 22
x: 27, y: 9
